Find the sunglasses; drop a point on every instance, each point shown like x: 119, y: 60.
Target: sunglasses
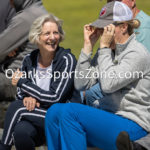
x: 117, y: 23
x: 113, y: 0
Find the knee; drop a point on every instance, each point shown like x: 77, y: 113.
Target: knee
x: 20, y: 134
x: 25, y: 135
x: 59, y: 111
x: 53, y: 113
x: 69, y: 110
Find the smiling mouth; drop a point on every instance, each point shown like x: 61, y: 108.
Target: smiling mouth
x: 51, y: 43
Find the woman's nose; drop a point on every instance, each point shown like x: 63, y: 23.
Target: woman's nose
x: 52, y: 36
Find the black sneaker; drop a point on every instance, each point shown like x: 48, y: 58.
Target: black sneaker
x: 123, y: 143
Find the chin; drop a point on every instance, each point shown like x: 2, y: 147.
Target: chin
x: 51, y: 49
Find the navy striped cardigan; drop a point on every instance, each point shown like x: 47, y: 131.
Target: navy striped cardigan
x: 60, y: 90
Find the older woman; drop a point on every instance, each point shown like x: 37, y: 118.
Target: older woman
x: 43, y: 81
x: 125, y: 106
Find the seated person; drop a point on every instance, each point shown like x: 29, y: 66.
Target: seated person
x: 40, y: 83
x: 95, y: 93
x: 125, y: 106
x: 6, y: 14
x: 14, y: 45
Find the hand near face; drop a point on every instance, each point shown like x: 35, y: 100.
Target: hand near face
x: 91, y: 35
x: 30, y: 103
x: 16, y: 76
x: 107, y: 36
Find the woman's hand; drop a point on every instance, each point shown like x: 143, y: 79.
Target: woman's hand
x: 13, y: 53
x: 16, y: 76
x: 30, y: 103
x: 91, y: 35
x: 107, y: 36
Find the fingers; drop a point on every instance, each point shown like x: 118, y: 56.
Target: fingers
x: 12, y: 54
x: 107, y: 36
x: 30, y: 103
x: 112, y: 29
x: 16, y: 76
x: 89, y: 29
x: 109, y: 29
x: 37, y: 104
x: 25, y: 101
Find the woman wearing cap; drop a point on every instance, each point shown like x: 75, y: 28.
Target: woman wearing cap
x: 41, y: 85
x: 123, y: 70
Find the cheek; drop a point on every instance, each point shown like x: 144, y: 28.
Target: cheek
x: 58, y: 38
x: 128, y: 3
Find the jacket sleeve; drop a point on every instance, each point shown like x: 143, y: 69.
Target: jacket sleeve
x: 20, y: 93
x: 84, y: 72
x: 6, y: 14
x: 61, y: 85
x: 132, y: 67
x: 111, y: 75
x: 17, y: 31
x: 10, y: 13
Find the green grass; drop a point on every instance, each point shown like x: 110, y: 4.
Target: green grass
x: 77, y: 13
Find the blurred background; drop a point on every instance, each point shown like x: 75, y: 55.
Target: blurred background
x: 77, y: 13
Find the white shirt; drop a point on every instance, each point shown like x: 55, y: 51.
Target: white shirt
x: 43, y: 77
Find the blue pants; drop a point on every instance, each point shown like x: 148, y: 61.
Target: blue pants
x: 73, y: 126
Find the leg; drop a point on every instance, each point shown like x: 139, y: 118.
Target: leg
x: 79, y: 124
x: 52, y: 126
x: 7, y: 90
x: 16, y: 113
x: 26, y: 136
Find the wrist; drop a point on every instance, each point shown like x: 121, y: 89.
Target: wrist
x: 87, y: 49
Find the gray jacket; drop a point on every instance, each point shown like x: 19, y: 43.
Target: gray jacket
x: 16, y: 35
x: 6, y: 13
x: 125, y: 77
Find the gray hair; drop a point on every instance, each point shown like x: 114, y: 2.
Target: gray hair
x: 36, y: 28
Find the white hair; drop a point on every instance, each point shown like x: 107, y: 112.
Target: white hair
x: 36, y: 28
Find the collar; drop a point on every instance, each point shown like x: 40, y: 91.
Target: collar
x: 121, y: 47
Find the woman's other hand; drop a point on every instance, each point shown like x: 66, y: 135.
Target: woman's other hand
x: 107, y: 36
x: 91, y: 35
x: 30, y: 103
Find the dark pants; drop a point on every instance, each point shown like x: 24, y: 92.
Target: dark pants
x: 24, y: 128
x: 7, y: 90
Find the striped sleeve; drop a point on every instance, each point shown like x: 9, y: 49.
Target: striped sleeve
x: 59, y: 87
x: 20, y: 94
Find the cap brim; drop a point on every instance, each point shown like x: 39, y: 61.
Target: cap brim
x: 101, y: 23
